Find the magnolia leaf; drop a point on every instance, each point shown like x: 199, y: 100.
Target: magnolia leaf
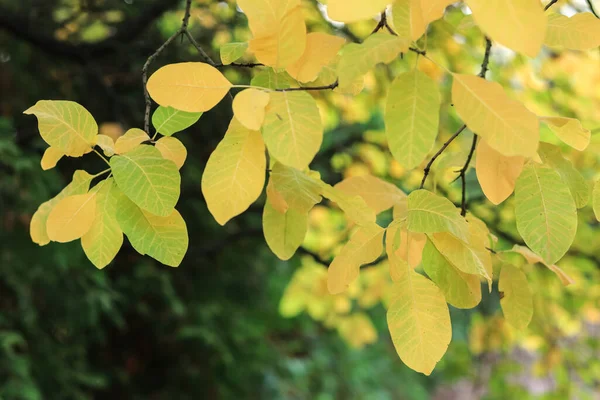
x: 300, y: 191
x: 460, y: 289
x: 191, y: 86
x: 377, y: 193
x: 321, y: 49
x: 533, y: 258
x: 172, y: 149
x: 79, y: 185
x: 579, y: 32
x: 234, y: 175
x: 292, y: 128
x: 580, y: 190
x: 163, y: 238
x: 545, y: 212
x: 408, y: 21
x: 104, y: 239
x: 365, y: 245
x: 412, y: 117
x: 419, y: 322
x: 130, y: 140
x: 107, y: 144
x: 354, y: 10
x: 66, y: 126
x: 516, y: 299
x: 429, y: 213
x: 569, y: 130
x: 496, y: 173
x: 596, y: 200
x: 526, y: 19
x: 71, y: 218
x: 249, y: 108
x: 231, y: 52
x: 50, y: 158
x: 284, y: 232
x: 147, y: 179
x: 505, y: 124
x: 358, y: 59
x: 168, y: 121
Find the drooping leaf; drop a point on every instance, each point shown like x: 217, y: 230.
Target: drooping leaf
x: 107, y: 144
x: 300, y: 191
x: 249, y: 108
x: 408, y: 19
x: 516, y: 298
x: 147, y: 179
x: 190, y: 86
x: 321, y: 49
x: 172, y: 149
x: 411, y: 246
x: 275, y: 198
x: 168, y: 121
x: 231, y: 52
x: 460, y: 289
x: 525, y: 18
x: 496, y: 173
x: 533, y: 258
x: 71, y: 218
x: 365, y: 245
x: 66, y: 126
x: 412, y: 117
x: 580, y: 190
x: 284, y: 232
x: 579, y: 32
x: 429, y: 213
x: 354, y: 10
x: 235, y: 173
x: 419, y: 322
x: 163, y: 238
x: 569, y: 130
x: 398, y: 265
x: 130, y: 140
x: 50, y: 158
x: 545, y: 212
x: 292, y: 129
x: 377, y: 193
x: 104, y: 239
x: 505, y: 124
x: 355, y: 208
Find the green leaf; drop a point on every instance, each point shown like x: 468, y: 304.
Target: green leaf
x: 545, y: 212
x: 231, y: 52
x: 167, y: 120
x: 66, y: 126
x: 516, y: 299
x: 300, y: 191
x: 412, y: 117
x: 460, y: 290
x: 162, y: 238
x: 104, y: 239
x: 551, y: 155
x: 284, y: 232
x: 147, y: 179
x: 268, y: 78
x: 596, y: 200
x: 429, y: 213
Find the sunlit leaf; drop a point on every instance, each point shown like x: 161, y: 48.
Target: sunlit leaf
x: 580, y: 190
x: 408, y: 19
x: 377, y: 193
x: 398, y: 265
x: 107, y: 144
x: 71, y: 218
x: 271, y: 79
x: 579, y: 32
x: 130, y: 140
x: 249, y: 108
x: 50, y: 158
x: 231, y: 52
x: 429, y: 213
x: 300, y: 191
x: 569, y: 130
x: 596, y: 200
x: 172, y: 149
x: 168, y: 121
x: 275, y: 198
x: 355, y: 10
x: 284, y: 232
x: 533, y: 258
x: 321, y: 49
x: 516, y: 298
x: 355, y: 208
x: 434, y: 9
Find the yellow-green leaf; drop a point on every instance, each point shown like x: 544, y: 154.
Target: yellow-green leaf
x: 355, y: 208
x: 284, y: 232
x: 419, y: 322
x: 321, y: 49
x: 412, y: 117
x: 271, y: 79
x: 275, y: 198
x: 249, y: 108
x: 429, y: 213
x: 292, y: 129
x: 434, y: 9
x: 525, y: 18
x: 580, y: 190
x: 66, y: 126
x: 407, y: 17
x: 235, y: 173
x: 579, y: 32
x: 191, y: 86
x: 569, y: 130
x: 505, y: 124
x: 50, y: 158
x: 596, y: 200
x: 231, y: 52
x: 71, y: 218
x: 300, y: 191
x: 398, y: 265
x: 516, y: 299
x: 354, y: 10
x: 104, y: 239
x: 545, y: 212
x: 107, y: 144
x: 172, y: 149
x: 130, y: 140
x: 377, y: 193
x: 147, y: 179
x: 533, y: 258
x: 168, y: 121
x: 365, y: 245
x: 163, y: 238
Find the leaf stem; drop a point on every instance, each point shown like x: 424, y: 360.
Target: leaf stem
x: 101, y: 173
x: 102, y: 157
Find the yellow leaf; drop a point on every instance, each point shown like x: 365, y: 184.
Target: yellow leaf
x: 355, y: 10
x: 50, y: 158
x: 398, y: 266
x: 411, y: 247
x: 191, y: 86
x: 231, y: 52
x: 130, y: 140
x: 66, y: 126
x: 429, y: 213
x: 516, y: 299
x: 107, y: 144
x: 358, y: 330
x: 596, y: 200
x: 172, y: 149
x: 496, y: 173
x: 569, y: 130
x: 434, y: 9
x: 353, y: 206
x: 249, y: 108
x: 284, y: 232
x: 377, y: 193
x: 71, y: 218
x: 235, y: 173
x: 275, y: 198
x: 321, y: 49
x: 505, y: 124
x: 408, y: 19
x: 579, y: 32
x: 419, y: 322
x: 292, y: 129
x: 525, y: 18
x: 533, y: 258
x: 365, y: 245
x: 300, y: 191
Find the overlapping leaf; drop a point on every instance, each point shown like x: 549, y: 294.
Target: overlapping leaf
x: 551, y: 156
x: 172, y: 149
x: 354, y: 10
x: 168, y: 120
x: 50, y: 158
x: 321, y: 49
x: 569, y: 130
x: 130, y: 140
x: 377, y: 193
x: 497, y: 174
x: 71, y: 217
x: 429, y: 213
x: 249, y: 108
x: 231, y: 52
x: 579, y: 32
x: 516, y: 299
x: 408, y: 19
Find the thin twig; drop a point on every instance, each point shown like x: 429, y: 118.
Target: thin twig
x: 240, y: 65
x: 310, y: 88
x: 553, y: 2
x: 486, y: 58
x: 439, y: 153
x: 463, y: 176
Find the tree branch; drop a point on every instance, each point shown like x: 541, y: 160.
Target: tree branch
x: 439, y: 153
x: 553, y: 2
x: 463, y: 175
x: 589, y: 2
x: 309, y: 88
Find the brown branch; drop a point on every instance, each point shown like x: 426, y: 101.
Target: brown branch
x: 439, y: 153
x: 463, y: 174
x: 310, y: 88
x: 553, y: 2
x: 589, y: 2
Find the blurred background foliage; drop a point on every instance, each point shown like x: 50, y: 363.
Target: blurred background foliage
x: 233, y: 321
